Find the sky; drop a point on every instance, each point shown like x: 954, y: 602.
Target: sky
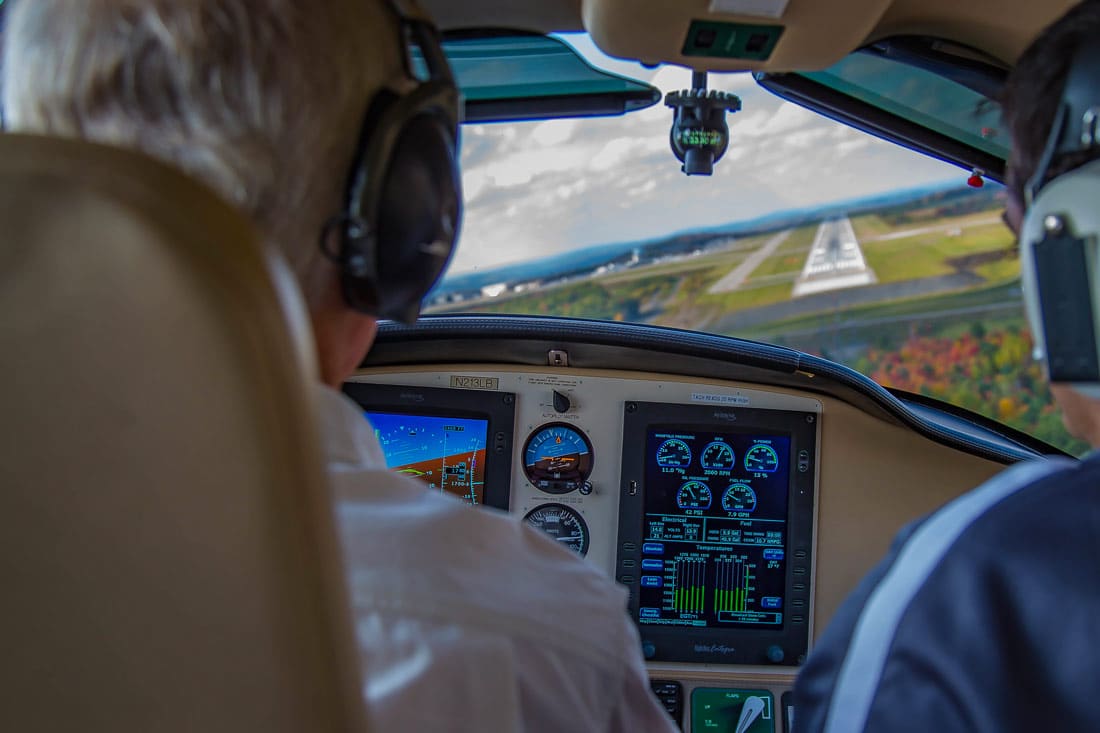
x: 535, y: 189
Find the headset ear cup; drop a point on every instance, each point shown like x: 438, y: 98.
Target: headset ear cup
x: 418, y: 214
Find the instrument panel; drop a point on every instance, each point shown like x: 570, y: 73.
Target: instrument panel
x: 572, y: 450
x: 566, y: 440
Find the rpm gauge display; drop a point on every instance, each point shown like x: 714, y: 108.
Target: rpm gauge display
x: 717, y: 456
x: 562, y: 524
x: 557, y: 458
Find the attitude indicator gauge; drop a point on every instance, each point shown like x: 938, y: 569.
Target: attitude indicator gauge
x: 694, y: 495
x: 739, y: 498
x: 674, y: 453
x: 761, y: 459
x: 562, y: 524
x: 557, y: 458
x: 717, y: 456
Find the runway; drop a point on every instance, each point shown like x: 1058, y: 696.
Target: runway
x: 835, y: 261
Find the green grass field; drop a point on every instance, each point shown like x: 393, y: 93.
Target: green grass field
x: 929, y: 254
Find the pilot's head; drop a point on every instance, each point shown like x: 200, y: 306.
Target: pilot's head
x: 1031, y: 100
x: 262, y: 99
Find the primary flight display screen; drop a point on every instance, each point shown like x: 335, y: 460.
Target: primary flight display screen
x: 714, y: 528
x: 446, y: 453
x: 716, y: 524
x: 455, y: 441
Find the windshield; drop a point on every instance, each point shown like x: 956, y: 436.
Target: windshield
x: 810, y: 234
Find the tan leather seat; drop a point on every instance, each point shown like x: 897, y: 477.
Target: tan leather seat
x: 168, y: 558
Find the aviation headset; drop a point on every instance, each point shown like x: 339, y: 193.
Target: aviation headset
x: 403, y: 200
x: 1059, y: 250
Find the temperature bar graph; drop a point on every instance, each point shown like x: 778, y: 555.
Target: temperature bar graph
x: 732, y: 586
x: 691, y: 580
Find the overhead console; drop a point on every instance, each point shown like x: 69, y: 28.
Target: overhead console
x: 716, y: 530
x: 733, y: 35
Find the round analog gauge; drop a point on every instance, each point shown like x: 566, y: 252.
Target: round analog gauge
x: 693, y: 495
x: 562, y: 524
x: 761, y: 459
x: 557, y: 458
x: 717, y: 456
x: 674, y: 453
x: 739, y: 498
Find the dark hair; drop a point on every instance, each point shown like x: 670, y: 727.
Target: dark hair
x: 1033, y: 93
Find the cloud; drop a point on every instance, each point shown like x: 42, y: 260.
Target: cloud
x: 554, y: 132
x: 539, y: 188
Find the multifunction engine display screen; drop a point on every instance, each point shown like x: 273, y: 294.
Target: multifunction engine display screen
x: 714, y: 528
x: 446, y: 453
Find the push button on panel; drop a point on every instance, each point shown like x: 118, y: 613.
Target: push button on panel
x: 671, y: 695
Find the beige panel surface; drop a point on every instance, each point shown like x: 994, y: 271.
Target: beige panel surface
x: 875, y: 476
x: 817, y: 32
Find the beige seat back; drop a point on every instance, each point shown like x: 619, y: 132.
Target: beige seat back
x: 168, y: 557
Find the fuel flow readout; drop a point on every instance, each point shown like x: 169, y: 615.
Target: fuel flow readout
x: 715, y: 529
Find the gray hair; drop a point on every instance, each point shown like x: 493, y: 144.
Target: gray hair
x: 262, y: 99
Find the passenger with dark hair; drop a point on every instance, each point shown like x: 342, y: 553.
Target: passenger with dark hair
x: 983, y: 615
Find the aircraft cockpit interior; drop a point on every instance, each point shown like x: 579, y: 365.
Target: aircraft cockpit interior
x: 666, y: 340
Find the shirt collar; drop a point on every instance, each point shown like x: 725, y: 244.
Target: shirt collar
x: 349, y: 439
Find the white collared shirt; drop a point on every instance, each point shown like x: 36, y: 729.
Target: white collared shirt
x: 469, y: 620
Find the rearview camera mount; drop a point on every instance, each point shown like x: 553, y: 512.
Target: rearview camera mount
x: 699, y: 135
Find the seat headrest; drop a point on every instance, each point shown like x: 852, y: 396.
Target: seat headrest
x: 169, y: 556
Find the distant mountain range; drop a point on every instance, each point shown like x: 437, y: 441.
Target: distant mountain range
x: 590, y: 258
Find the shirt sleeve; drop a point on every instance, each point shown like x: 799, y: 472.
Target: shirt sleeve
x: 637, y: 707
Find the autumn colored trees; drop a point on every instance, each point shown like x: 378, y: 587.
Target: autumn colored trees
x: 988, y: 371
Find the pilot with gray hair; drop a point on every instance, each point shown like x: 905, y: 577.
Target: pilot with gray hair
x: 307, y: 117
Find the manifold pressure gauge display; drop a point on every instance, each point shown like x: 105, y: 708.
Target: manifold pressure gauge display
x: 562, y: 524
x: 557, y: 458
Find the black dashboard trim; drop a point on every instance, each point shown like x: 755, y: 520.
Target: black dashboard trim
x: 526, y: 340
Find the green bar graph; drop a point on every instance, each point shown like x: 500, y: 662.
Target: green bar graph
x: 732, y: 585
x: 690, y: 593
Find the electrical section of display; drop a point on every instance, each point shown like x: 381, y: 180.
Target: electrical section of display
x: 446, y: 453
x: 715, y: 529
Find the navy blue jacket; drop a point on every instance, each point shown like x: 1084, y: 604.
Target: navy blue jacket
x: 984, y: 616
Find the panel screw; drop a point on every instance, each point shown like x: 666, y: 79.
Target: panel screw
x: 1053, y: 224
x: 631, y: 406
x: 509, y: 399
x: 809, y: 418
